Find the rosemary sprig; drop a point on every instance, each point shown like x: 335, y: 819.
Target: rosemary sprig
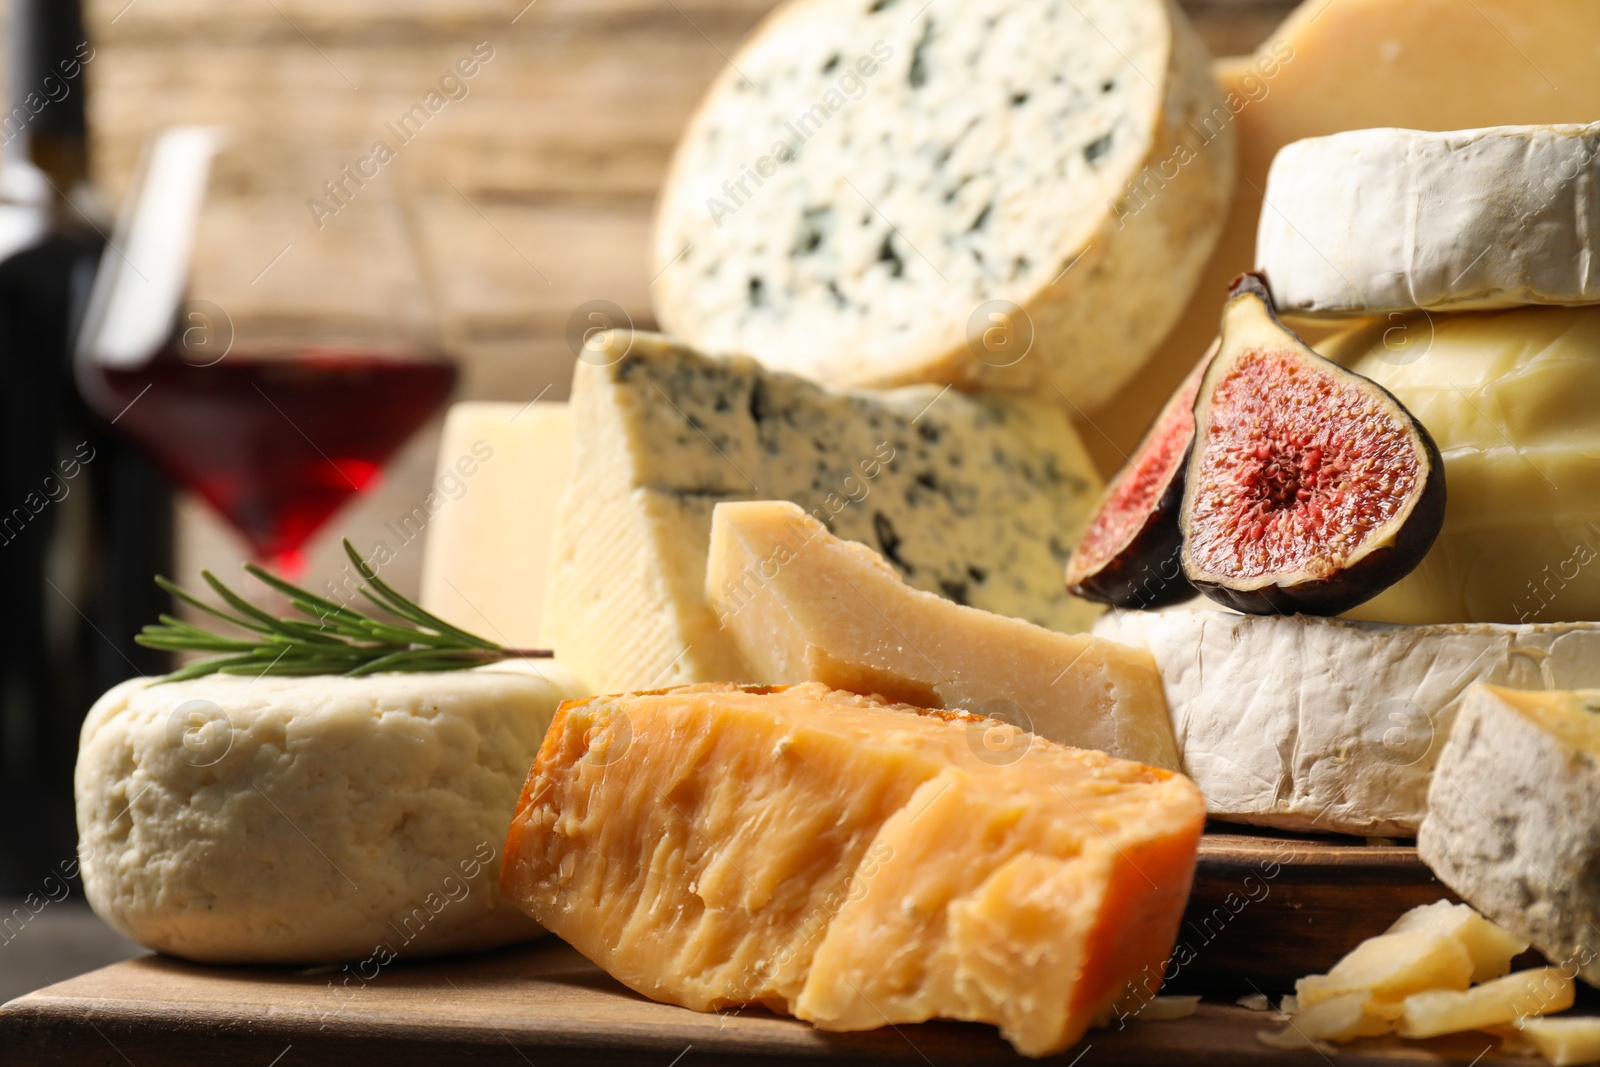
x: 338, y: 640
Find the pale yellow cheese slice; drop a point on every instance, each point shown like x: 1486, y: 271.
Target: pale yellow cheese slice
x: 501, y: 471
x: 1500, y: 1002
x: 1510, y: 397
x: 1565, y: 1040
x: 1490, y: 947
x: 849, y: 861
x: 1350, y: 65
x: 804, y: 605
x: 1416, y: 978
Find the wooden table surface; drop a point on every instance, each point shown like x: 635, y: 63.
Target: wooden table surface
x: 1265, y: 909
x: 544, y: 1004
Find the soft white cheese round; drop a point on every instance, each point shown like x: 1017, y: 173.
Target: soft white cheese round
x: 300, y: 820
x: 1379, y: 220
x: 1511, y: 398
x: 1303, y: 723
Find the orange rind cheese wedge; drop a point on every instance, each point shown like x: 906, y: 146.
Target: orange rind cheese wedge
x: 852, y: 862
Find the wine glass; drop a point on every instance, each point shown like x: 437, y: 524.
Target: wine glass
x: 262, y: 326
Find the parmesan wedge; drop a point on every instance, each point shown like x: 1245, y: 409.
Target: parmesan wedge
x: 804, y: 605
x: 849, y: 861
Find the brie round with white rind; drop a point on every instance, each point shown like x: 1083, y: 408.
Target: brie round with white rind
x: 1511, y: 398
x: 1332, y: 725
x: 1371, y: 221
x: 230, y: 819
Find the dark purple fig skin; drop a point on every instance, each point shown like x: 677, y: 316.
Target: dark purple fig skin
x: 1147, y: 571
x: 1375, y: 572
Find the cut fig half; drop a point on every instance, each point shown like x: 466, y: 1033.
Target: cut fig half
x: 1308, y: 488
x: 1128, y: 554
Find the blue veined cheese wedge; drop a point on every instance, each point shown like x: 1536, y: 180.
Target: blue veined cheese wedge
x: 1512, y: 812
x: 975, y: 498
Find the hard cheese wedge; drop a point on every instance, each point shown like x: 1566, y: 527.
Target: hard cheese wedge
x: 803, y: 605
x: 1513, y: 819
x: 488, y: 546
x: 849, y: 861
x: 973, y: 498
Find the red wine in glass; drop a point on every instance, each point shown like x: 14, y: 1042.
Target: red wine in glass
x: 277, y: 443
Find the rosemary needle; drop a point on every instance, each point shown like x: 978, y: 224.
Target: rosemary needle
x: 331, y: 639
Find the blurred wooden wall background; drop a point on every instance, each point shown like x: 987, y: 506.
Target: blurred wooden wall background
x: 534, y: 193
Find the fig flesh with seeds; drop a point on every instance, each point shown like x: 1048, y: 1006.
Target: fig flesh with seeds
x: 1308, y: 488
x: 1128, y: 554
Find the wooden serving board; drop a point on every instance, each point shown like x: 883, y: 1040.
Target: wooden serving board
x: 1269, y: 908
x: 1288, y: 906
x: 544, y: 1004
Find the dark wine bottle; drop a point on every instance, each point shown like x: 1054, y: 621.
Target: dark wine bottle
x: 84, y: 518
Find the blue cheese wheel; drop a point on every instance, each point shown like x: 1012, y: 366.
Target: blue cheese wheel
x: 994, y: 192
